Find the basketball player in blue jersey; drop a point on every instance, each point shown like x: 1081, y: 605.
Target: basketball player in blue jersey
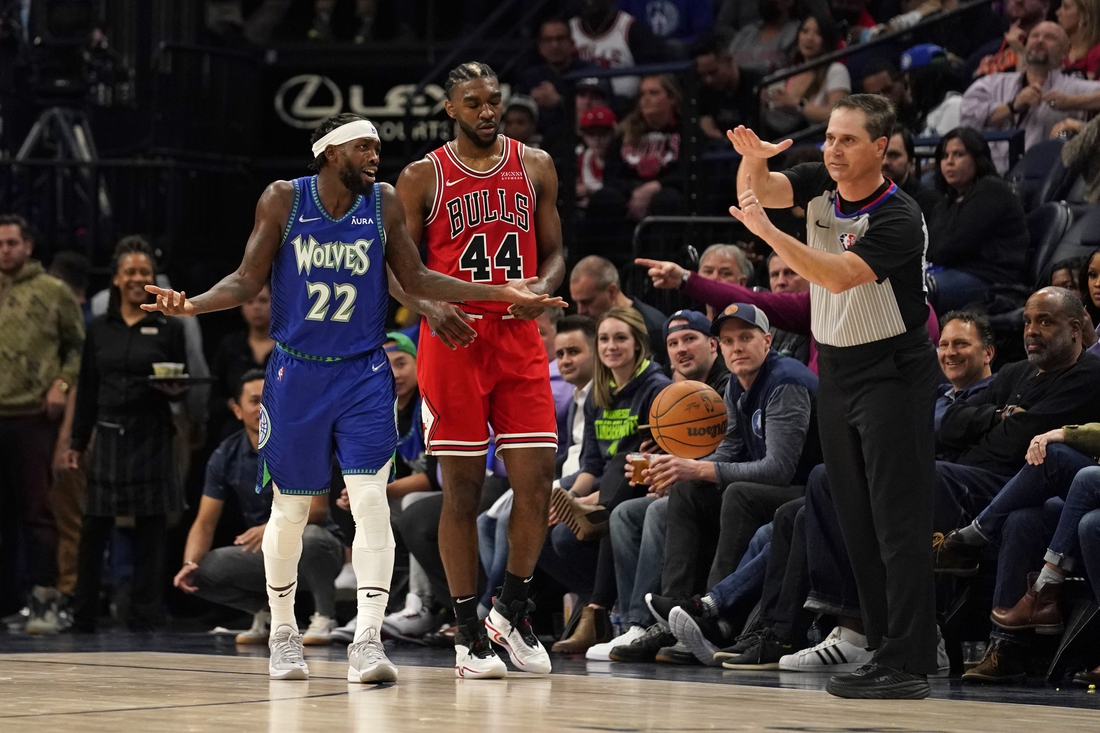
x: 325, y: 241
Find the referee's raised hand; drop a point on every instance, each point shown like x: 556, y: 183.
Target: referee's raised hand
x: 169, y: 302
x: 749, y: 145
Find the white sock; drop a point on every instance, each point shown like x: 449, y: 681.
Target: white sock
x: 282, y: 548
x: 372, y: 548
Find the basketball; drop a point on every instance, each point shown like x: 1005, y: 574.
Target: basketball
x: 688, y: 419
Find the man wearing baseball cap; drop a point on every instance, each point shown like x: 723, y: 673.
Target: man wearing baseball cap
x: 770, y: 446
x: 693, y: 351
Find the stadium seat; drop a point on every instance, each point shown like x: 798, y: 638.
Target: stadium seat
x: 1082, y: 239
x: 1032, y: 171
x: 1061, y: 184
x: 1047, y: 225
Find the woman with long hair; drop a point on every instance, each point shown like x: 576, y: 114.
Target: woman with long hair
x: 131, y: 470
x: 979, y: 235
x: 644, y: 172
x: 1089, y: 285
x: 624, y: 384
x: 808, y: 97
x: 1080, y: 19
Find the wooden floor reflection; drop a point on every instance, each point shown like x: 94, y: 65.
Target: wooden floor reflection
x: 150, y: 691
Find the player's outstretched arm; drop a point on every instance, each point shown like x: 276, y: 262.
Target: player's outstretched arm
x: 551, y: 270
x: 420, y: 282
x: 255, y: 268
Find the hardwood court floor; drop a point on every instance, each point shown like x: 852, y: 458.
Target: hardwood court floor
x: 160, y: 691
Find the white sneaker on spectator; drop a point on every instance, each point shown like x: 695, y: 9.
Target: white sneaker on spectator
x: 260, y: 631
x: 943, y: 662
x: 412, y: 621
x: 43, y: 611
x: 346, y: 579
x: 320, y: 630
x: 843, y: 650
x: 346, y: 633
x: 287, y: 660
x: 602, y: 652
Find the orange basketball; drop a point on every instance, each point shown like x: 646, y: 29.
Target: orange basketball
x: 688, y: 419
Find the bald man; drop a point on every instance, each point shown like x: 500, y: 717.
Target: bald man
x: 1035, y: 100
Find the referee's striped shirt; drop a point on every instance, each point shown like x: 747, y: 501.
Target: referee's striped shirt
x: 887, y: 231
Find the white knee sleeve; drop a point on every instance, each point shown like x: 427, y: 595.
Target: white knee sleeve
x: 371, y: 510
x: 283, y: 535
x: 372, y: 548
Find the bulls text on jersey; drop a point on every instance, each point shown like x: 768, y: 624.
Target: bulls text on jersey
x: 477, y: 207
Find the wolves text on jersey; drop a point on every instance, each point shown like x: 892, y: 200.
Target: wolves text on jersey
x: 477, y: 207
x: 332, y: 255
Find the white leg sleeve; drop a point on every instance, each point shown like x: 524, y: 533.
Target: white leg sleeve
x: 372, y: 548
x: 282, y: 548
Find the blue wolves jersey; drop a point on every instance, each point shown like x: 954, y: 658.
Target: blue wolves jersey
x: 329, y: 291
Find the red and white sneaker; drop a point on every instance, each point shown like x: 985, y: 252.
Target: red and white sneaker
x: 475, y: 658
x: 511, y: 628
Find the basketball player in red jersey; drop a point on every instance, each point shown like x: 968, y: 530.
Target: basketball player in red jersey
x: 486, y: 208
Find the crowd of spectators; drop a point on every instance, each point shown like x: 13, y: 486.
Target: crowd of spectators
x: 668, y: 568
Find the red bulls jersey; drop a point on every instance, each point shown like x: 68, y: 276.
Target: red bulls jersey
x: 482, y: 225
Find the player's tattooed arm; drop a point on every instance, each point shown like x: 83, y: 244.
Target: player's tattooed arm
x: 420, y: 282
x: 255, y: 268
x: 551, y: 269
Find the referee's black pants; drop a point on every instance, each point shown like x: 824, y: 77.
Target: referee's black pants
x: 875, y: 412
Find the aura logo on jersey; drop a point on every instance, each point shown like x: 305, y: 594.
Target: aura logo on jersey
x: 479, y: 207
x: 332, y: 255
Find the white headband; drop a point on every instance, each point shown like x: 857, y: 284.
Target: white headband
x: 346, y: 133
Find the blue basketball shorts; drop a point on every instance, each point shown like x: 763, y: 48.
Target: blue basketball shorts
x: 311, y: 409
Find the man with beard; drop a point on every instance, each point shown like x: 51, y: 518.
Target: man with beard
x: 329, y: 382
x: 1035, y: 100
x: 485, y: 206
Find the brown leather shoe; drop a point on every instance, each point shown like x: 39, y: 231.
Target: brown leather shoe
x: 955, y: 557
x: 588, y: 522
x: 1002, y: 663
x: 593, y: 628
x: 1041, y: 611
x: 1087, y: 678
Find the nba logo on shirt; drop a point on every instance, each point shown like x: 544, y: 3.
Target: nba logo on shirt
x: 847, y: 239
x: 280, y: 374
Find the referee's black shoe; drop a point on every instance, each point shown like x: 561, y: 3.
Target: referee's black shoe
x: 878, y: 682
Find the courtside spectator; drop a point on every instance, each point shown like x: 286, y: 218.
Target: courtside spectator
x: 594, y: 289
x: 41, y: 336
x: 234, y: 575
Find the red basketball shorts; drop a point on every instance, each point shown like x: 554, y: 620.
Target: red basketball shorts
x: 501, y: 380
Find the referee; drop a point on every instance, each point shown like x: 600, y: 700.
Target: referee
x: 878, y: 371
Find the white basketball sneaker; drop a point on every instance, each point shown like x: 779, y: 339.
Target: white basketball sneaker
x: 602, y: 652
x: 320, y: 630
x: 475, y: 658
x: 843, y: 650
x: 287, y: 658
x: 367, y: 660
x: 511, y: 628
